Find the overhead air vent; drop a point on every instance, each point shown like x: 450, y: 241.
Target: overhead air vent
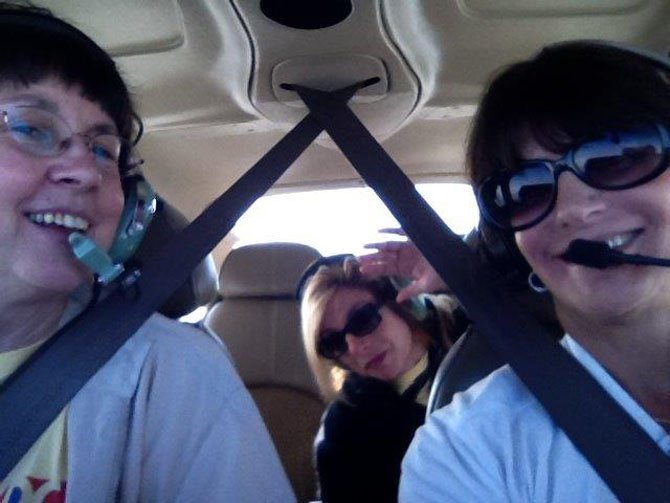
x: 306, y: 14
x: 360, y: 43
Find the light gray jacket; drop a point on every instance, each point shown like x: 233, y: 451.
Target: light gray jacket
x: 168, y: 419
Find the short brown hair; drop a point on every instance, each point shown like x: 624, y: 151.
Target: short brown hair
x: 565, y: 95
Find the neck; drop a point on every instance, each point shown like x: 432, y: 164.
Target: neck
x: 635, y: 350
x: 26, y: 322
x: 419, y: 348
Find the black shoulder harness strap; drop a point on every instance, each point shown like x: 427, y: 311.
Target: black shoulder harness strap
x: 625, y: 457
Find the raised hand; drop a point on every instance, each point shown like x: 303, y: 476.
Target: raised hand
x: 403, y: 259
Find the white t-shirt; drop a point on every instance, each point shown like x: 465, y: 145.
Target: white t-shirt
x: 495, y: 442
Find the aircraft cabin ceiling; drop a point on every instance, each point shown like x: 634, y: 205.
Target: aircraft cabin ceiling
x: 206, y: 74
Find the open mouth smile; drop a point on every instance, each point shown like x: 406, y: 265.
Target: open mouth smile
x: 59, y: 219
x: 621, y: 240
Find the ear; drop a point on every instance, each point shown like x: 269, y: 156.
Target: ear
x: 498, y: 249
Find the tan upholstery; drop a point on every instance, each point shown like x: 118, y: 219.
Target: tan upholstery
x: 258, y: 319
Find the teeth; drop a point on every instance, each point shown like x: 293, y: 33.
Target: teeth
x: 61, y: 219
x: 618, y: 241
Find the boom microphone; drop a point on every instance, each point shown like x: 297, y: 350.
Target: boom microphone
x: 599, y: 255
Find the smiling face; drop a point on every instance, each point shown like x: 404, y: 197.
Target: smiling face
x: 385, y: 353
x: 634, y: 220
x: 43, y: 198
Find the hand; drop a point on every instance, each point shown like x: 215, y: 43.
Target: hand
x: 403, y: 259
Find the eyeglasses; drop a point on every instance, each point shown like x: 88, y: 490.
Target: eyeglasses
x: 42, y: 133
x: 362, y: 321
x: 622, y: 160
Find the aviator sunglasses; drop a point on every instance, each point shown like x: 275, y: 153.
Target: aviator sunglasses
x: 620, y: 160
x: 42, y: 133
x: 362, y: 321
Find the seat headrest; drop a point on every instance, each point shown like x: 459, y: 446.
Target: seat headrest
x: 202, y: 286
x: 265, y: 270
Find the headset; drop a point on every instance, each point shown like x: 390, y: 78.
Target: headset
x: 497, y: 246
x: 138, y: 212
x: 139, y: 195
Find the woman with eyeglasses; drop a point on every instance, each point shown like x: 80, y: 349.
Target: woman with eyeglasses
x: 166, y: 418
x: 374, y: 359
x: 570, y: 145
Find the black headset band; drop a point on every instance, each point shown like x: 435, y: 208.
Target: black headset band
x: 314, y: 266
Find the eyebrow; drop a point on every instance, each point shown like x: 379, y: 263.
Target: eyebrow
x: 34, y: 100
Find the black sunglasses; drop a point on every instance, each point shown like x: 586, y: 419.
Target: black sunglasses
x: 361, y: 322
x: 518, y: 200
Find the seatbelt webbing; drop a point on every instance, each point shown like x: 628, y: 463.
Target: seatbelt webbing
x: 625, y: 457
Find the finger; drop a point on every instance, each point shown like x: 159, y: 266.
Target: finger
x: 388, y: 245
x: 409, y: 291
x: 378, y: 256
x: 379, y: 264
x: 377, y: 269
x: 398, y: 231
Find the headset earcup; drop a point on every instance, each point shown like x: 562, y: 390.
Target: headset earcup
x: 138, y: 211
x: 499, y: 250
x: 416, y: 304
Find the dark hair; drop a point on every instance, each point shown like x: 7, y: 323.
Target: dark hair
x: 565, y: 95
x: 37, y: 45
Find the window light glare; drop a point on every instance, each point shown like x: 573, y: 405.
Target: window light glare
x: 343, y: 220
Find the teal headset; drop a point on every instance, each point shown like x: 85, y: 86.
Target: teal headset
x: 139, y: 196
x: 138, y: 211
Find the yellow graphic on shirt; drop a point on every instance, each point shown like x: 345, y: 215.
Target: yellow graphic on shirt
x: 41, y: 474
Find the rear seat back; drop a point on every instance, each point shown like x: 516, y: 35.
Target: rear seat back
x: 201, y: 287
x: 258, y: 319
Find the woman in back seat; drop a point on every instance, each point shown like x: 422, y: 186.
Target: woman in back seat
x: 375, y: 359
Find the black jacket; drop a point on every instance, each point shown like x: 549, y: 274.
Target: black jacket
x: 364, y: 436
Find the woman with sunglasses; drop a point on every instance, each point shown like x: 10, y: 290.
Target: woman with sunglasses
x: 571, y: 145
x: 166, y: 418
x: 374, y: 359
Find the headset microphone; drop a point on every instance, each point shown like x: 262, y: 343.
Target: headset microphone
x: 138, y: 212
x: 95, y: 258
x: 599, y: 255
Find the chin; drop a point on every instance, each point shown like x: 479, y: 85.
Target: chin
x: 386, y: 375
x: 58, y: 280
x: 612, y: 311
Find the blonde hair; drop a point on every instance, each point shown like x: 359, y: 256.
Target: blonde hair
x: 318, y: 291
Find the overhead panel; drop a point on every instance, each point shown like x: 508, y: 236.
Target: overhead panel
x: 527, y: 8
x: 125, y: 27
x: 351, y: 45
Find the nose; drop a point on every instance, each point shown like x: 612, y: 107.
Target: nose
x: 576, y: 202
x: 357, y: 344
x: 76, y: 165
